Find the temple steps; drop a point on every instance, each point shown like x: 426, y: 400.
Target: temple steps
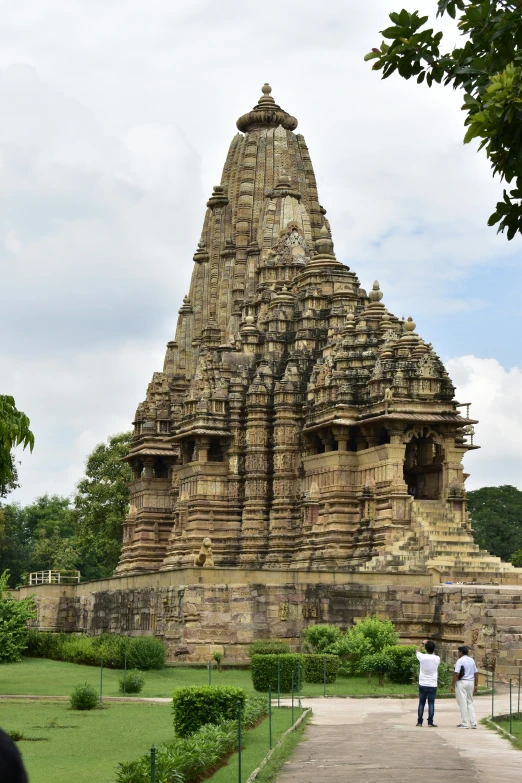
x: 436, y: 539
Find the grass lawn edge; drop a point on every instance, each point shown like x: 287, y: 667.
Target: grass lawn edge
x: 491, y: 724
x: 302, y: 719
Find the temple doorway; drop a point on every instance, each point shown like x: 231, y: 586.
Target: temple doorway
x: 423, y: 467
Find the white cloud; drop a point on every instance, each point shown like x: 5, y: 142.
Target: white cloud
x: 496, y: 396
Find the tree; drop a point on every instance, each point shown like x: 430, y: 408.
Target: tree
x: 14, y: 431
x: 13, y: 622
x: 37, y: 537
x: 365, y: 638
x: 488, y: 68
x: 100, y: 506
x: 496, y: 516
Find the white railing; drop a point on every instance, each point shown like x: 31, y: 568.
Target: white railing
x: 54, y: 577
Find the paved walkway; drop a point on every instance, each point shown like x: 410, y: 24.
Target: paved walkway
x: 375, y: 740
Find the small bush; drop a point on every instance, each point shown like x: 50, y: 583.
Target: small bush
x: 264, y: 671
x: 198, y: 705
x: 320, y: 638
x: 268, y: 647
x: 402, y: 659
x: 84, y: 697
x: 133, y: 683
x: 377, y: 663
x: 366, y: 637
x: 313, y: 668
x: 218, y: 657
x: 146, y: 652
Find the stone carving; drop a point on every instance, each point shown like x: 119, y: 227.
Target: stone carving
x: 284, y: 611
x: 205, y: 557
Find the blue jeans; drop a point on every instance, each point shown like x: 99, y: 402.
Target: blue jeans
x: 426, y: 692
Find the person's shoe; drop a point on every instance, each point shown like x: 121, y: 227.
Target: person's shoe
x: 432, y: 725
x: 475, y: 726
x: 419, y: 725
x: 462, y: 726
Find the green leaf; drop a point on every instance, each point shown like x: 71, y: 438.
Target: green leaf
x: 393, y: 32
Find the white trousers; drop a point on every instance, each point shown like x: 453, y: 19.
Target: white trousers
x: 464, y: 693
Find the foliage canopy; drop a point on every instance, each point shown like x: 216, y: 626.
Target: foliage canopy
x: 487, y: 67
x: 13, y: 622
x: 14, y: 431
x: 496, y: 517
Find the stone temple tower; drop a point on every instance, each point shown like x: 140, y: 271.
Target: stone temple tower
x: 297, y: 423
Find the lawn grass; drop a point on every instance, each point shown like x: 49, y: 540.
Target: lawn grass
x: 516, y: 730
x: 42, y: 677
x: 281, y: 754
x: 84, y: 747
x: 256, y: 746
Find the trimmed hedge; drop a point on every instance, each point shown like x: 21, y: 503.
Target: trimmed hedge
x: 198, y: 705
x: 264, y: 671
x: 143, y: 652
x: 268, y: 647
x: 313, y: 667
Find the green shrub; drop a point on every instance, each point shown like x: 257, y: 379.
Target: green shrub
x: 189, y: 759
x: 264, y: 671
x: 134, y: 682
x: 377, y: 663
x: 402, y: 659
x: 197, y: 705
x: 185, y: 759
x: 268, y: 647
x: 313, y: 667
x: 218, y: 657
x: 320, y: 638
x: 84, y: 697
x: 365, y: 638
x: 13, y: 622
x: 146, y: 652
x: 41, y: 644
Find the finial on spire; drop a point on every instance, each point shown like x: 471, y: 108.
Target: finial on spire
x: 410, y: 324
x: 266, y: 113
x: 375, y: 294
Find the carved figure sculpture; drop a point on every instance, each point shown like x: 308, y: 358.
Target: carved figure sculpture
x: 205, y: 558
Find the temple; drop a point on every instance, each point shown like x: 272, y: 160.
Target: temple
x: 297, y: 424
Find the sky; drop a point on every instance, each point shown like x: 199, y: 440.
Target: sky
x: 116, y: 120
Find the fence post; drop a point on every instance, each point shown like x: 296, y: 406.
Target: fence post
x: 510, y: 707
x: 487, y: 672
x: 279, y: 683
x: 125, y: 675
x: 299, y: 683
x: 324, y: 675
x: 101, y: 680
x: 518, y: 709
x: 292, y: 697
x: 493, y: 695
x: 270, y: 716
x: 210, y: 672
x: 239, y: 741
x: 152, y: 764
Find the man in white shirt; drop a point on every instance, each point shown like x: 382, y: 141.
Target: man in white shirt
x: 429, y: 665
x: 465, y: 682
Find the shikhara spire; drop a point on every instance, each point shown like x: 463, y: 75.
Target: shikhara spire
x: 296, y: 422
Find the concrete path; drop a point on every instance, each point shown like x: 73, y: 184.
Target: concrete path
x: 371, y: 740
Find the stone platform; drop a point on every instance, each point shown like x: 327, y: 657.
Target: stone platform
x: 198, y: 611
